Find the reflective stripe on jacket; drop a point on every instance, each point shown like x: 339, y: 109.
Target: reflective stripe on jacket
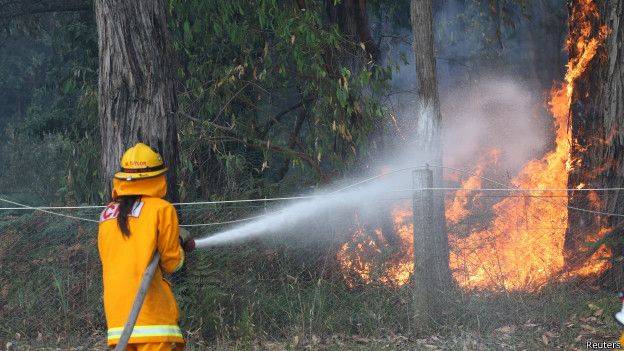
x: 153, y: 225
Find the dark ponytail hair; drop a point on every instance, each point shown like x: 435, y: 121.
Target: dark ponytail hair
x: 126, y: 202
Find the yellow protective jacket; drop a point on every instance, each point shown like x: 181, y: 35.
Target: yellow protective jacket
x: 153, y: 225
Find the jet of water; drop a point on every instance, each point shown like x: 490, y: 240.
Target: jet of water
x: 361, y: 195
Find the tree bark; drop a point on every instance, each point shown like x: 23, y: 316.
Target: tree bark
x: 597, y: 116
x: 137, y: 96
x: 432, y: 275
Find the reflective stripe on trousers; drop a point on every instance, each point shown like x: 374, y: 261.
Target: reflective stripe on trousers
x: 146, y: 331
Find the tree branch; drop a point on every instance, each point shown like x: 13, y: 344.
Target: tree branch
x: 207, y: 122
x: 11, y: 9
x: 277, y: 118
x: 311, y: 161
x: 281, y: 172
x: 364, y: 33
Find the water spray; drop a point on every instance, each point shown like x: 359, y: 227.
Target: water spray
x: 289, y: 216
x: 356, y: 195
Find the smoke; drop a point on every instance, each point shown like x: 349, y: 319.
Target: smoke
x: 504, y: 113
x: 485, y: 102
x: 494, y: 113
x: 490, y: 81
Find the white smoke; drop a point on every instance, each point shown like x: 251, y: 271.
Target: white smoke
x: 494, y: 113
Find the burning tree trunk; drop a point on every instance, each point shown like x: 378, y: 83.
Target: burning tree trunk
x: 431, y: 250
x: 597, y: 114
x: 137, y: 98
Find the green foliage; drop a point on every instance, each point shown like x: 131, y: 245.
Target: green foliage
x: 270, y: 96
x: 49, y: 119
x: 250, y: 71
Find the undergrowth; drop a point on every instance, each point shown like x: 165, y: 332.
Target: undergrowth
x: 51, y: 293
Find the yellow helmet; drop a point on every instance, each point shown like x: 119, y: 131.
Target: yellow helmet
x: 139, y: 162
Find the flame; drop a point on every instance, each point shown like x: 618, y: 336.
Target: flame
x: 597, y: 262
x: 356, y: 257
x: 522, y: 248
x: 459, y: 208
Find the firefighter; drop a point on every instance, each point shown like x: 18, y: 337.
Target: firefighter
x: 132, y: 227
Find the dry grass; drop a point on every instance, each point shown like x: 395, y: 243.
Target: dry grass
x: 260, y: 298
x: 589, y: 321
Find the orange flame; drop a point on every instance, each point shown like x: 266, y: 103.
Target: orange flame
x: 459, y: 208
x: 356, y: 257
x: 523, y: 246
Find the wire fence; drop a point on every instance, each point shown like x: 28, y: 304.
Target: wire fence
x: 347, y: 265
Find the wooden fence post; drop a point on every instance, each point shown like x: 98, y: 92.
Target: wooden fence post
x: 426, y: 281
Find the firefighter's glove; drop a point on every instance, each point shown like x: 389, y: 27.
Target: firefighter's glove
x: 186, y: 240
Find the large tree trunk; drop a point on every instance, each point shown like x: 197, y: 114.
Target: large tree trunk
x: 432, y: 276
x: 597, y: 114
x: 137, y: 97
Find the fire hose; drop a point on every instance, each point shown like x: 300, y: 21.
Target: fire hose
x: 138, y: 303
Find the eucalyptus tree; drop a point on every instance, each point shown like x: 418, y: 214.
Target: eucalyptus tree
x: 432, y: 276
x: 597, y: 116
x: 137, y: 82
